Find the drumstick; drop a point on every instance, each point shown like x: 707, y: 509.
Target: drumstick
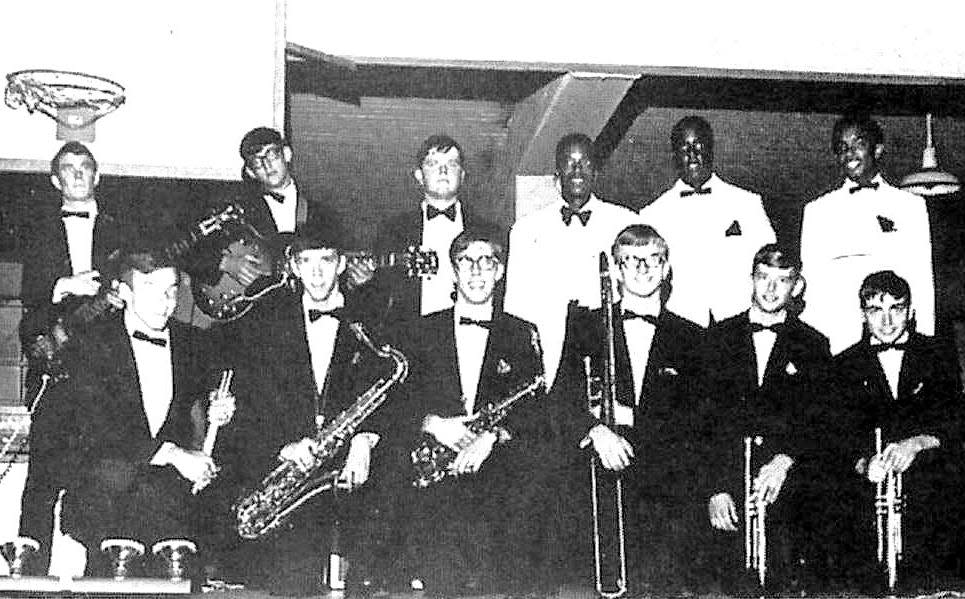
x: 211, y: 436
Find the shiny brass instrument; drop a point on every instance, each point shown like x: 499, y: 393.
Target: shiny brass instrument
x: 755, y: 516
x: 287, y: 487
x: 609, y: 546
x: 889, y: 501
x: 432, y: 460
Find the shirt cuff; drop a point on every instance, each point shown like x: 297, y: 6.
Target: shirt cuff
x: 164, y: 454
x: 371, y: 438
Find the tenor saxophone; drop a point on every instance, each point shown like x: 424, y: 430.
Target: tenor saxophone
x: 287, y: 487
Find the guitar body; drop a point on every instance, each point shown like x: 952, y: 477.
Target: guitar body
x: 228, y: 298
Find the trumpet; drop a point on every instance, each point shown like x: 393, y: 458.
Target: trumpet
x: 755, y: 516
x: 888, y: 507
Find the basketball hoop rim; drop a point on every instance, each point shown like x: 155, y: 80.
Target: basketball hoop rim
x: 113, y: 86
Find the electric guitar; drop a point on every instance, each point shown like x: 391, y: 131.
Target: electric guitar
x: 43, y: 348
x: 229, y: 299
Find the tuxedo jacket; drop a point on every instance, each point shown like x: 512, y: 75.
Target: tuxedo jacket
x: 46, y: 257
x: 109, y: 423
x: 928, y: 401
x: 737, y: 406
x: 277, y: 398
x: 662, y: 433
x: 512, y: 360
x: 392, y: 295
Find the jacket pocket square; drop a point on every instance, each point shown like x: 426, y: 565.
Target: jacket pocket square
x: 668, y: 371
x: 503, y: 367
x: 733, y: 229
x: 791, y: 369
x: 918, y: 388
x: 887, y: 225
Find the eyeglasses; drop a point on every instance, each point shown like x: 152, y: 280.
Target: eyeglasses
x: 261, y: 159
x: 484, y: 263
x: 637, y: 262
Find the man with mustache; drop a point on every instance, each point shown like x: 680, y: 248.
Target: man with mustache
x: 862, y: 226
x: 714, y: 228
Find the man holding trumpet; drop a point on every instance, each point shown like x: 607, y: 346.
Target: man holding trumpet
x: 762, y: 365
x: 893, y: 414
x: 138, y: 382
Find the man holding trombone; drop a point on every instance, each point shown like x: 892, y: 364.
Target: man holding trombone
x: 894, y: 448
x: 762, y: 365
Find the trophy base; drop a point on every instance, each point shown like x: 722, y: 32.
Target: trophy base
x: 99, y: 586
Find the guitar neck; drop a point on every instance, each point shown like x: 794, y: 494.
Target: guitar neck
x: 386, y: 260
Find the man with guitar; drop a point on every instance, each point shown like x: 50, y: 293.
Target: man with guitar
x: 441, y: 216
x: 66, y: 246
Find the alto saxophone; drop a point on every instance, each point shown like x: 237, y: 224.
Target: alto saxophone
x: 287, y: 487
x: 432, y: 460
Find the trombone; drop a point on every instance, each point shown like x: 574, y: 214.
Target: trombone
x: 888, y: 507
x: 609, y: 547
x: 755, y: 514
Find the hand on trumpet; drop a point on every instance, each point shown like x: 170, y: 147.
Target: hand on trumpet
x: 221, y: 408
x: 895, y: 457
x: 301, y: 453
x: 614, y: 451
x: 771, y: 477
x: 723, y: 512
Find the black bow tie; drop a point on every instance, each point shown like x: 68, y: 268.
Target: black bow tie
x: 568, y: 214
x: 142, y: 336
x: 74, y: 213
x: 314, y: 314
x: 630, y: 314
x: 432, y: 212
x: 858, y: 188
x: 880, y: 347
x: 701, y: 191
x: 486, y: 324
x: 278, y: 197
x: 777, y: 327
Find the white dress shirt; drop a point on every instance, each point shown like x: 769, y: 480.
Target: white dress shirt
x: 763, y: 343
x: 890, y: 360
x: 639, y: 334
x: 283, y: 213
x: 471, y: 343
x: 551, y: 263
x: 321, y: 335
x: 80, y: 236
x: 155, y: 372
x: 847, y: 236
x: 711, y: 262
x: 437, y: 236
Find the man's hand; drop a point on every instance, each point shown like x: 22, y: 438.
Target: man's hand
x: 244, y: 268
x: 614, y: 451
x: 86, y: 283
x: 221, y: 408
x: 898, y: 457
x: 193, y: 465
x: 470, y: 459
x: 358, y: 272
x: 451, y: 432
x: 722, y: 512
x: 301, y: 453
x: 771, y: 477
x: 357, y: 462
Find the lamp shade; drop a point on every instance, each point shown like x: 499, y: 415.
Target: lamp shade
x: 930, y: 180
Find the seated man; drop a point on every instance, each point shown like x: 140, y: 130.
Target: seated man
x: 657, y: 371
x: 135, y: 380
x: 763, y: 366
x: 483, y: 525
x: 298, y: 365
x: 902, y: 383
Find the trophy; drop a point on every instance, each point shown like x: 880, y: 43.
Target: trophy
x: 124, y: 555
x: 18, y: 554
x: 175, y: 555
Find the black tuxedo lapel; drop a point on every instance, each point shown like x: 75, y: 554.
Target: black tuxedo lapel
x: 442, y: 333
